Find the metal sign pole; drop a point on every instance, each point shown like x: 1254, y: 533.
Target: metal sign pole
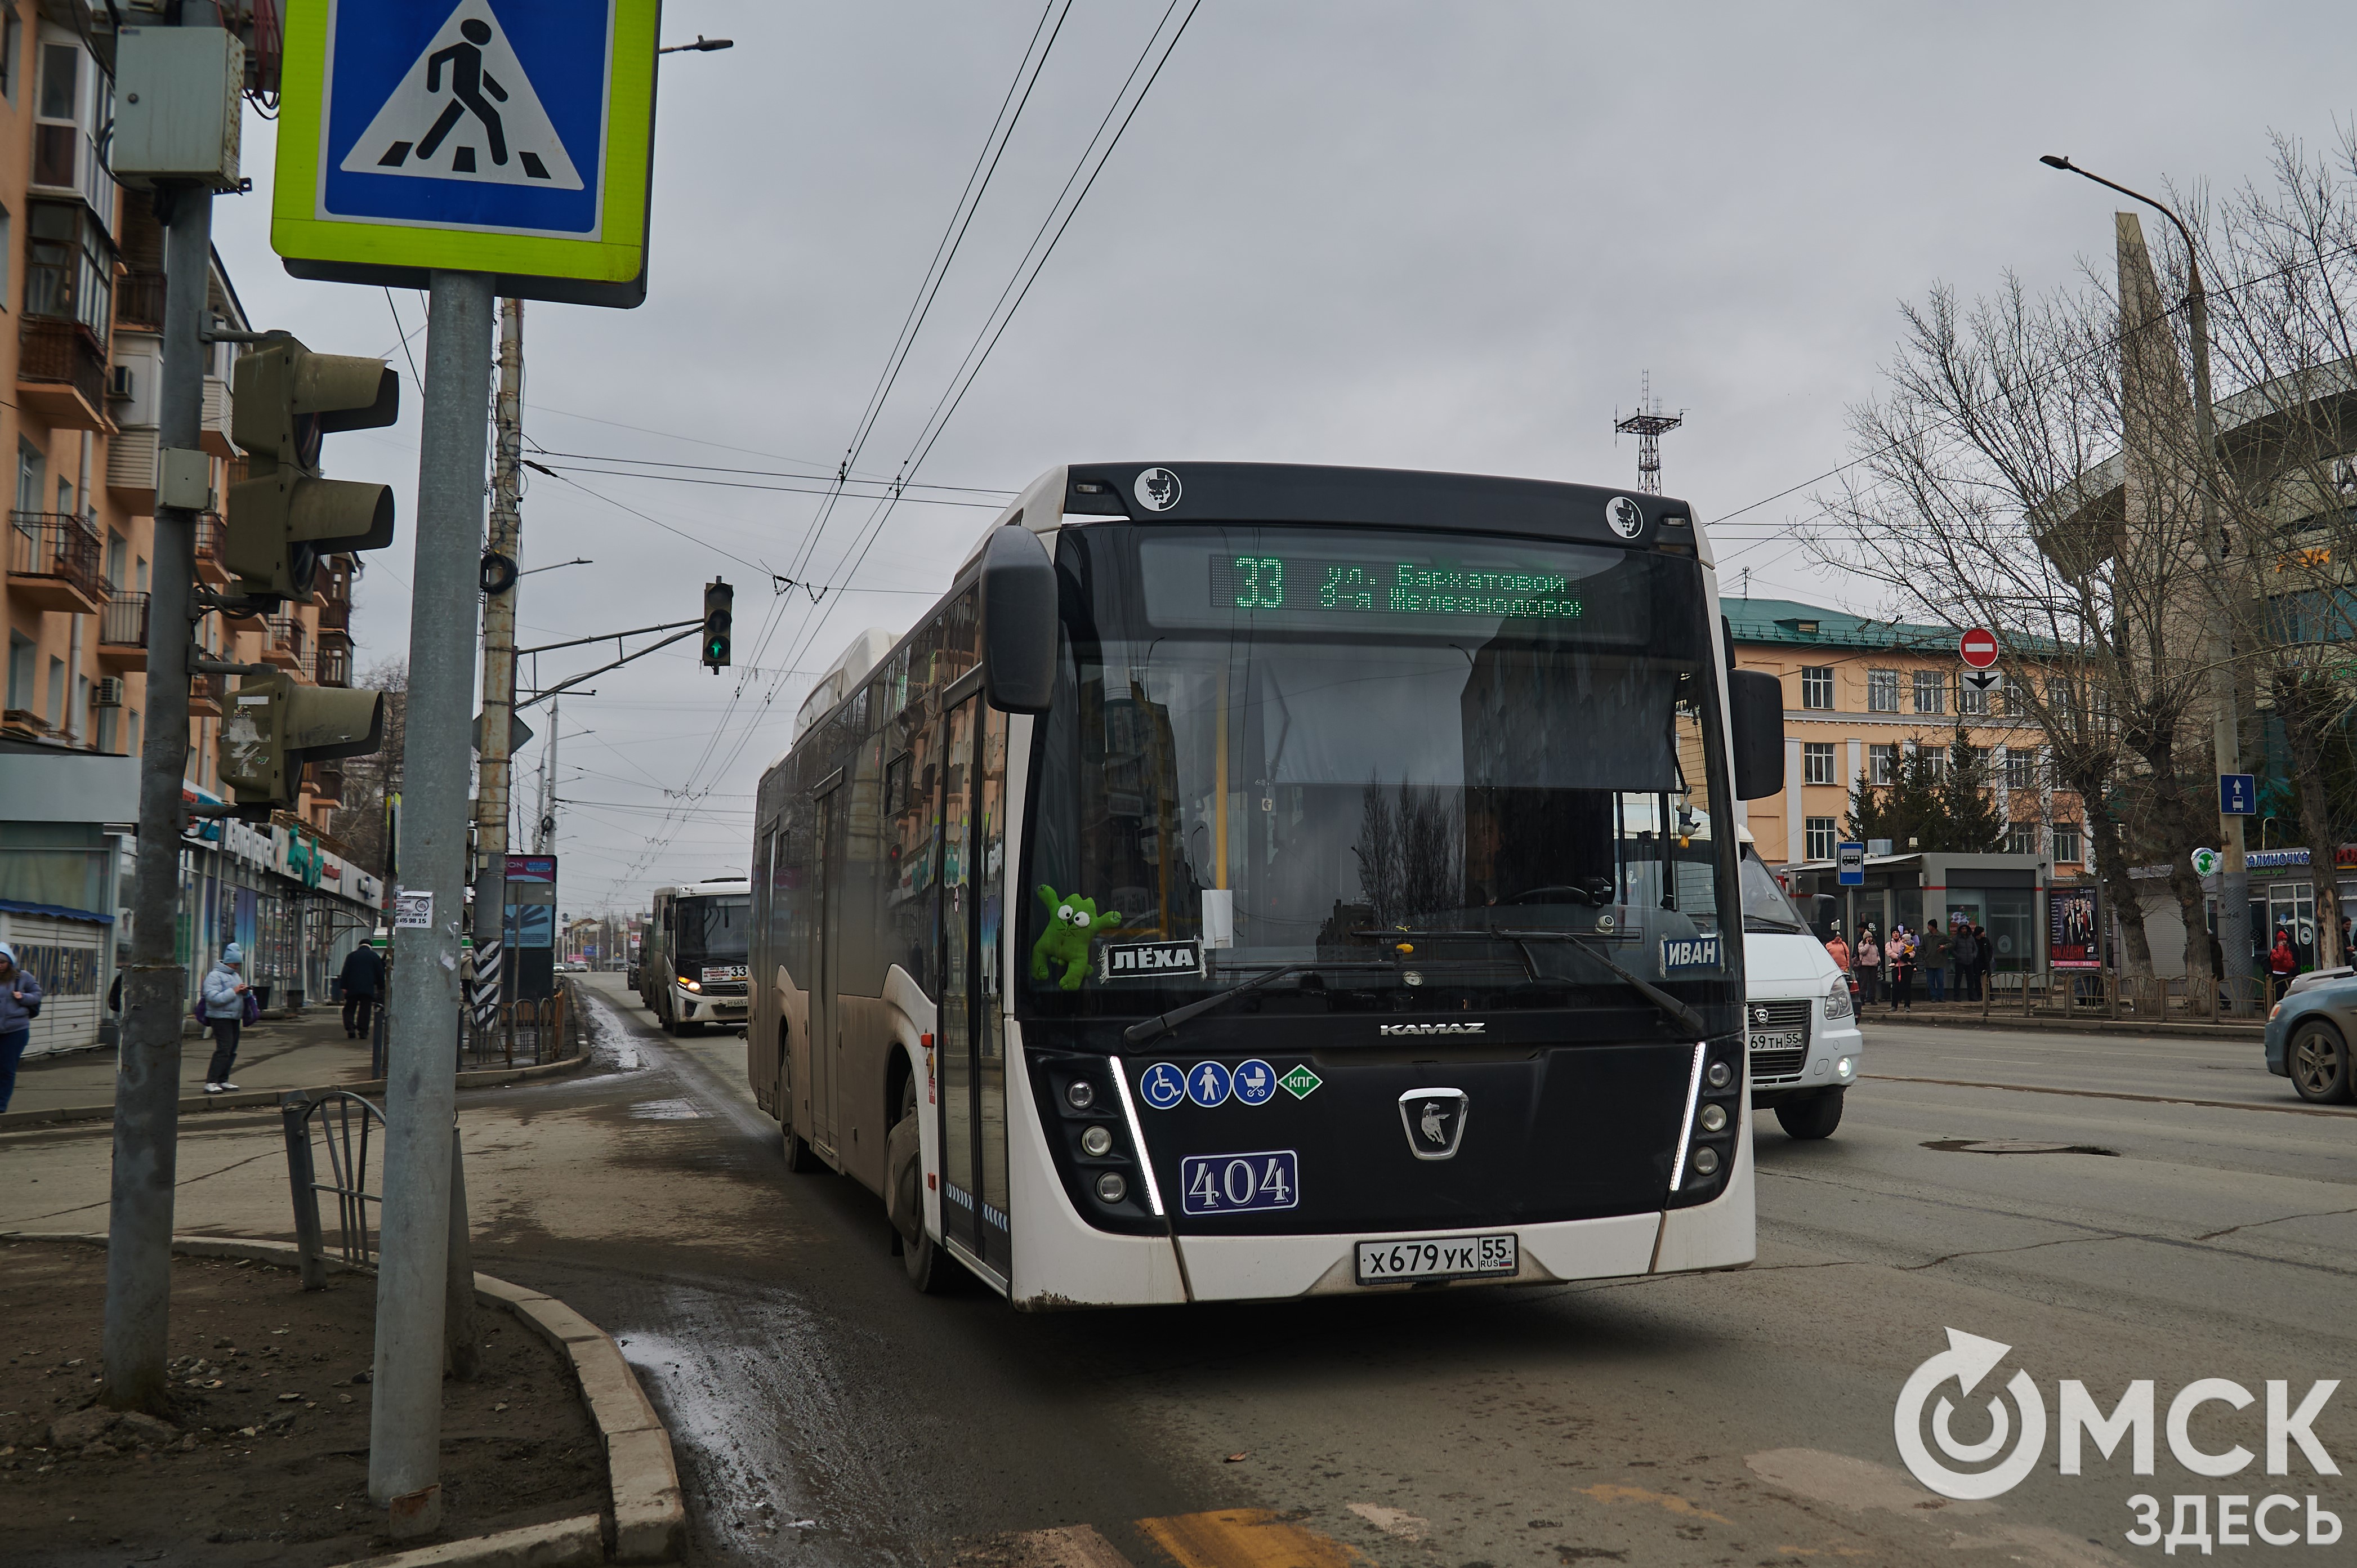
x: 420, y: 1069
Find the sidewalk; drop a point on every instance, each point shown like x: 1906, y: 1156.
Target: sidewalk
x: 300, y: 1052
x: 2086, y: 1020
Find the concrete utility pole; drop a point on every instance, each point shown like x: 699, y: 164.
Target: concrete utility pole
x: 421, y: 1069
x: 147, y: 1071
x: 493, y: 769
x: 544, y: 838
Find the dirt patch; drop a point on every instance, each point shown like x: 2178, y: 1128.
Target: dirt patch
x: 266, y: 1457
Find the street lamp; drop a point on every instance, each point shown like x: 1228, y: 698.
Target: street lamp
x: 702, y: 46
x: 2225, y: 740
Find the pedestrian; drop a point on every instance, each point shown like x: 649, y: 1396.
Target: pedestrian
x: 1932, y: 951
x: 1899, y: 958
x: 1838, y: 948
x: 1965, y: 952
x: 363, y: 979
x: 1870, y: 967
x: 2282, y: 963
x: 224, y: 998
x: 20, y: 1004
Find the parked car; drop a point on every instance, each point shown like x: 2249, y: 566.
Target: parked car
x: 2308, y: 1036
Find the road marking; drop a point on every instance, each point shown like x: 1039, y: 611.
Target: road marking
x: 2113, y: 1094
x: 1393, y: 1522
x: 1068, y: 1546
x: 1244, y: 1538
x: 1669, y: 1502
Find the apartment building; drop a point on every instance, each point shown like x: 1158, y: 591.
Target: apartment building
x: 81, y: 273
x: 1863, y: 695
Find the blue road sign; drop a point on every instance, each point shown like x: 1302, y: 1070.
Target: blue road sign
x: 1207, y: 1084
x: 1255, y: 1082
x: 507, y: 136
x: 1851, y: 859
x: 2238, y: 795
x: 1162, y: 1085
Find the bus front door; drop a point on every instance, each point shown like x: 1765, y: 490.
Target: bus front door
x: 972, y: 1045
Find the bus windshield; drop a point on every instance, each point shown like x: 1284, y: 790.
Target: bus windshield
x: 1434, y: 769
x: 712, y: 930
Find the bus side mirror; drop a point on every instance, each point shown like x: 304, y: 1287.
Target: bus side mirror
x: 1757, y: 703
x: 1019, y: 621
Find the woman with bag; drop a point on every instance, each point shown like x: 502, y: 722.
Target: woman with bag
x: 1870, y: 967
x: 20, y: 1004
x: 226, y: 997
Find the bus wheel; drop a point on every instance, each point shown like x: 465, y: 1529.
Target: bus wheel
x: 929, y: 1269
x: 1816, y: 1117
x: 800, y: 1158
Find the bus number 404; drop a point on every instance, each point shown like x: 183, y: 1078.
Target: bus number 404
x: 1232, y: 1183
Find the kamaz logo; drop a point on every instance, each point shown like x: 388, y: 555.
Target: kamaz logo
x: 1431, y: 1028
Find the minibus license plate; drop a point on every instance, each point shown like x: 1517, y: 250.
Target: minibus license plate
x: 1782, y: 1040
x: 1438, y: 1258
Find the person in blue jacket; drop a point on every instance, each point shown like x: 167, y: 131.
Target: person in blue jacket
x: 224, y: 1005
x: 20, y: 999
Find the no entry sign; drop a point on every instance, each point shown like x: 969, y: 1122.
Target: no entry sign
x: 1978, y: 647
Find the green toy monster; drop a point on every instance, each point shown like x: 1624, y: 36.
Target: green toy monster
x: 1066, y: 940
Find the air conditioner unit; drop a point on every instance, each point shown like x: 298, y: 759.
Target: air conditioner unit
x: 108, y: 692
x: 118, y: 381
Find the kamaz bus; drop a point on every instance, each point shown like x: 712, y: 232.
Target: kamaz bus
x: 692, y: 964
x: 1256, y: 881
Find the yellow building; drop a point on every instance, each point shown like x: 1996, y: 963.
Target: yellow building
x: 1860, y: 696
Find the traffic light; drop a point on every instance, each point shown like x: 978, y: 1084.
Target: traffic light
x: 283, y: 517
x: 719, y: 600
x: 274, y: 725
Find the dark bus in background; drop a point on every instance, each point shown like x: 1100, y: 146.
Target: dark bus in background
x: 1254, y: 880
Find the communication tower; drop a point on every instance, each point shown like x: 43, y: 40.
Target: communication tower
x: 1647, y: 426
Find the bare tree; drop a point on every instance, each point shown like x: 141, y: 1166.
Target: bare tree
x: 1984, y: 496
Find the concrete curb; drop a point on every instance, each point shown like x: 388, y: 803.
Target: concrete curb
x: 2234, y: 1031
x: 641, y: 1476
x: 267, y: 1099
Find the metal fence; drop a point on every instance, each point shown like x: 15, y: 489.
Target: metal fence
x: 345, y: 1125
x: 521, y: 1034
x: 55, y: 544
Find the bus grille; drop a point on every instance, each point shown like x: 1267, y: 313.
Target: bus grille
x: 1781, y: 1017
x: 724, y: 988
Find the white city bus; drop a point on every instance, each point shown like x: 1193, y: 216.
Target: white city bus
x: 691, y: 965
x: 1256, y: 881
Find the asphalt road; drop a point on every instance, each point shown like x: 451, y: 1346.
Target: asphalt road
x: 826, y: 1413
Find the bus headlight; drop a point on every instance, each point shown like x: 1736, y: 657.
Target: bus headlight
x: 1705, y: 1162
x: 1846, y: 1069
x: 1097, y: 1142
x: 1720, y: 1075
x: 1713, y: 1120
x: 1080, y: 1095
x: 1111, y: 1187
x: 690, y: 984
x: 1837, y: 999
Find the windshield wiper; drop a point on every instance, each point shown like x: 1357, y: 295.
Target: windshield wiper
x: 1522, y: 940
x: 1654, y: 993
x: 1161, y: 1024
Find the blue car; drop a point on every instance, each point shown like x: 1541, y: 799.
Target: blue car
x: 2309, y: 1033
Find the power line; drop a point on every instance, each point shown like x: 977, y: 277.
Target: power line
x: 764, y: 472
x: 743, y: 485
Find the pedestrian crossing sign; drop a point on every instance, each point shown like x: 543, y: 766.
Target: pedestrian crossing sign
x: 512, y: 138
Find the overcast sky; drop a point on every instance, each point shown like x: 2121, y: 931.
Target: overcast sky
x: 1438, y: 236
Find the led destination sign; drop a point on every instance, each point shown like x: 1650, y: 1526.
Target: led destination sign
x: 1309, y: 584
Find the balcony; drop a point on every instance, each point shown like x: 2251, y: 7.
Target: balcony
x: 214, y: 437
x: 284, y: 644
x: 139, y: 302
x: 61, y: 375
x: 23, y: 723
x: 204, y: 696
x: 212, y: 549
x: 334, y: 666
x: 123, y: 633
x: 326, y: 783
x: 53, y: 562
